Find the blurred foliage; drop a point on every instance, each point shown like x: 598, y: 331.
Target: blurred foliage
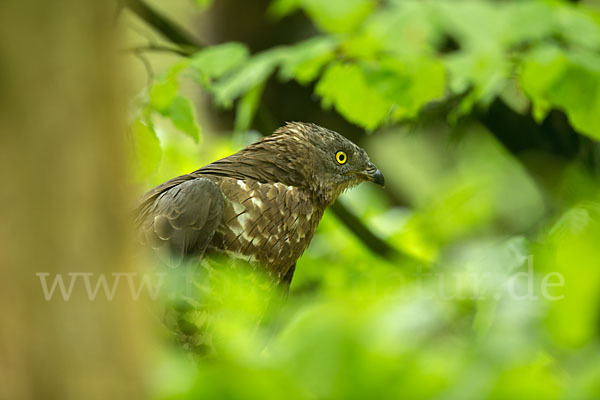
x: 378, y: 65
x: 503, y: 301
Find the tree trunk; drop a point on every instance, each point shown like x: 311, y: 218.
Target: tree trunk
x: 64, y: 206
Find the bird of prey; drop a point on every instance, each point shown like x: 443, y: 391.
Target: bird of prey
x: 261, y: 204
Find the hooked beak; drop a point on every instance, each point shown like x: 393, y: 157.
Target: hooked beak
x: 373, y: 174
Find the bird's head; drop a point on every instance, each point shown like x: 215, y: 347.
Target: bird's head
x: 329, y: 162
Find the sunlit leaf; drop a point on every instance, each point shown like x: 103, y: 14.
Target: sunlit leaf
x: 345, y: 87
x: 574, y: 255
x: 569, y: 81
x: 216, y: 61
x: 338, y: 16
x: 482, y: 73
x: 147, y: 147
x: 367, y: 95
x: 408, y: 85
x: 246, y: 108
x: 578, y: 25
x: 514, y: 97
x: 181, y: 113
x: 406, y: 30
x: 305, y: 60
x: 165, y: 88
x: 249, y: 75
x: 202, y: 4
x: 281, y: 8
x: 332, y: 16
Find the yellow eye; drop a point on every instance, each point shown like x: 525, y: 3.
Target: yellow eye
x: 341, y: 157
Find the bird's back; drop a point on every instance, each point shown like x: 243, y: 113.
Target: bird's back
x: 270, y: 224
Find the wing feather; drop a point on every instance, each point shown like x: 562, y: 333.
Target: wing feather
x: 180, y: 216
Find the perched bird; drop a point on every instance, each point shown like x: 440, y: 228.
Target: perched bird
x: 261, y: 204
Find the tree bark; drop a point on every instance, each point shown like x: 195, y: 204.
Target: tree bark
x: 63, y: 205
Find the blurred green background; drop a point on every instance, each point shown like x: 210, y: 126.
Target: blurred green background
x: 475, y: 274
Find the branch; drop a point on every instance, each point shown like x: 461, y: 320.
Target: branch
x: 168, y: 29
x: 360, y: 230
x: 157, y: 48
x: 147, y: 65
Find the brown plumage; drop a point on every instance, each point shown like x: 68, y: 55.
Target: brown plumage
x: 261, y: 204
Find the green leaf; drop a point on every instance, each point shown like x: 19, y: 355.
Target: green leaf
x: 408, y: 85
x: 165, y: 100
x: 181, y: 114
x: 574, y: 254
x: 338, y: 16
x: 344, y: 86
x: 147, y: 147
x: 485, y: 71
x: 254, y: 72
x: 369, y: 94
x: 164, y: 90
x: 282, y: 8
x: 568, y: 81
x: 482, y: 71
x: 203, y: 4
x: 246, y: 108
x: 577, y: 25
x: 216, y: 61
x: 407, y: 30
x: 514, y: 97
x: 335, y: 16
x: 305, y: 60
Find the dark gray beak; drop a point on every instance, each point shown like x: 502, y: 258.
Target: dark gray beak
x: 374, y: 175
